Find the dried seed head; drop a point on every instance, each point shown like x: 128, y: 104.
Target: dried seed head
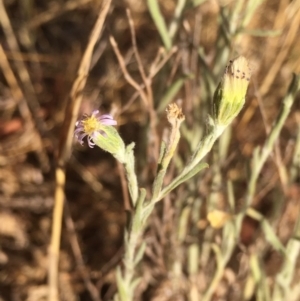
x: 174, y: 114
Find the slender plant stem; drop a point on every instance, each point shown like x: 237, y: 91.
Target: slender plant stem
x: 202, y: 150
x: 261, y: 157
x: 130, y: 174
x: 131, y: 257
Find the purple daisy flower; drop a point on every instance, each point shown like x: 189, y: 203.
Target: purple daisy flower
x: 92, y: 126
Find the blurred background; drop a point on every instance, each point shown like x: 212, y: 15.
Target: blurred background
x: 42, y: 43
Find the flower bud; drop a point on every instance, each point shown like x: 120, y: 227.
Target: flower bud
x: 229, y: 97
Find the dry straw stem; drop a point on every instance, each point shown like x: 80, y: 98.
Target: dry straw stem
x: 18, y: 96
x: 65, y: 149
x: 278, y: 24
x: 286, y: 45
x: 21, y: 68
x: 16, y: 91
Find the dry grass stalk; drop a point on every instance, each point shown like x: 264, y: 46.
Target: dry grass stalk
x: 65, y: 148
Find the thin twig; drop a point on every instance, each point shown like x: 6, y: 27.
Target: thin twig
x: 157, y: 68
x: 160, y: 52
x: 92, y: 289
x: 154, y: 69
x: 137, y: 55
x: 33, y: 104
x: 16, y: 91
x: 154, y: 149
x: 127, y: 76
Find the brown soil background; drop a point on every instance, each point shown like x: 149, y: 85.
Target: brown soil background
x: 51, y: 41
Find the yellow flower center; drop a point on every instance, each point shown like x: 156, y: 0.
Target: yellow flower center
x: 90, y: 125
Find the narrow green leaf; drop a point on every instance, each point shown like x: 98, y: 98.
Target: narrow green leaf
x: 183, y: 178
x: 140, y: 253
x: 138, y: 216
x: 192, y: 173
x: 160, y: 23
x: 171, y: 93
x: 271, y: 237
x: 134, y: 283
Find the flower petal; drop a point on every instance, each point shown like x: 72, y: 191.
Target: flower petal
x: 90, y: 142
x: 107, y: 119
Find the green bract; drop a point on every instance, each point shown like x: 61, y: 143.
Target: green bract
x: 110, y: 141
